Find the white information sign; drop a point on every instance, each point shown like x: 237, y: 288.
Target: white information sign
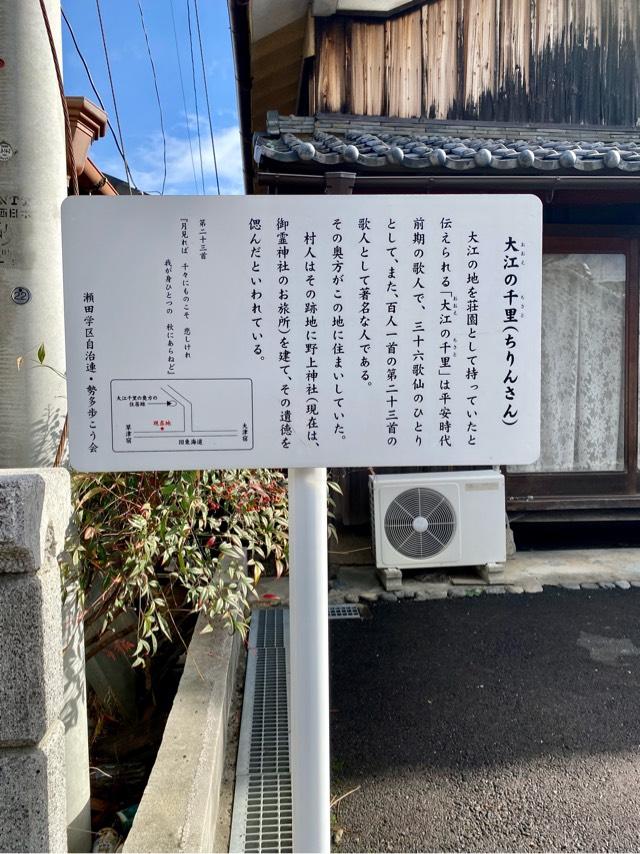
x: 295, y: 331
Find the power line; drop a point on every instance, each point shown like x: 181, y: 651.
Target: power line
x: 184, y: 99
x: 206, y: 92
x: 113, y: 93
x: 155, y: 83
x: 195, y: 94
x: 92, y: 84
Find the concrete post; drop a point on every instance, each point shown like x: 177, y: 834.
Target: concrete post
x: 74, y: 718
x: 33, y: 184
x: 34, y: 515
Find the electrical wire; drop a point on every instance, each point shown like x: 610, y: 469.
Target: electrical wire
x: 71, y: 160
x: 195, y: 94
x: 92, y: 84
x: 206, y: 92
x: 113, y: 94
x: 155, y: 83
x: 184, y: 99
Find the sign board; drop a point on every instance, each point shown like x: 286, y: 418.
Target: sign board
x: 290, y: 331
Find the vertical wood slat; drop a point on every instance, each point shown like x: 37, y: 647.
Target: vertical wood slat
x: 439, y: 57
x: 367, y: 68
x: 331, y: 68
x: 479, y: 28
x: 403, y: 65
x: 515, y: 44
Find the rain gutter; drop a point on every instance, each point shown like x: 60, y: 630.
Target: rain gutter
x: 425, y: 183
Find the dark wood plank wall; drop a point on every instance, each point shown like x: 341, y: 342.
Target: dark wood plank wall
x: 567, y: 61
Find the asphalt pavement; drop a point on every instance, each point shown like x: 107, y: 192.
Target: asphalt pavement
x: 491, y: 723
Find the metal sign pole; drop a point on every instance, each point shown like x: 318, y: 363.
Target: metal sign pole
x: 309, y: 659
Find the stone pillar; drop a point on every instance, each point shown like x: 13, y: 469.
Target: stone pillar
x: 34, y: 515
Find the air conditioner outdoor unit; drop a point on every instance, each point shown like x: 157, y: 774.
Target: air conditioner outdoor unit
x: 438, y: 519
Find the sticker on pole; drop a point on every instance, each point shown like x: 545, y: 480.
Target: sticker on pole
x: 289, y: 331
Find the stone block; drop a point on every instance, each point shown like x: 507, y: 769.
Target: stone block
x: 436, y: 591
x: 30, y: 656
x: 32, y: 796
x: 492, y: 573
x: 35, y: 506
x: 511, y: 543
x: 532, y: 587
x: 390, y: 578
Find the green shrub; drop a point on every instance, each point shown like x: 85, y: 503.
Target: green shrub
x: 151, y: 544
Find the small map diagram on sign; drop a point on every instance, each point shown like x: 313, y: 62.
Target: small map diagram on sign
x: 182, y: 415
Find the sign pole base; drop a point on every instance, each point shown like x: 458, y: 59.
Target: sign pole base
x: 309, y: 659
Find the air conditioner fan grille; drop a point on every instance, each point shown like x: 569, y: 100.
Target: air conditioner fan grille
x: 419, y: 523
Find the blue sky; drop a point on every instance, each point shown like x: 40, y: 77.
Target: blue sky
x: 136, y: 97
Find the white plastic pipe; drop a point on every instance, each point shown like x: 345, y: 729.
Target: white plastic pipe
x: 309, y: 660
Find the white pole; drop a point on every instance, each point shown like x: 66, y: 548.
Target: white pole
x: 33, y: 183
x: 309, y: 659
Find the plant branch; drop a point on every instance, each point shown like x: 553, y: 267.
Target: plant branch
x: 106, y: 640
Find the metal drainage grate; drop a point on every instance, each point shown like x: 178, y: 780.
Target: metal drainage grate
x: 344, y: 612
x: 262, y: 803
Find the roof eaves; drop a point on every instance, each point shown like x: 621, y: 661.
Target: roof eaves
x: 425, y: 147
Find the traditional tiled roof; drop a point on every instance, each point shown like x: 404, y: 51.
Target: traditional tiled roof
x: 431, y: 146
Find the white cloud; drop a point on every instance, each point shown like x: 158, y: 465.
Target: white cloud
x: 146, y: 162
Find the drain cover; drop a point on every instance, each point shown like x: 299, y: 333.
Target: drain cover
x: 262, y: 803
x: 344, y: 612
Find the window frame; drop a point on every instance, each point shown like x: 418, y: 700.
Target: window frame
x: 593, y: 490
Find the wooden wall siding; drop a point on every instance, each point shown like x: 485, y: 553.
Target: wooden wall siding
x: 565, y: 61
x: 276, y: 60
x: 403, y: 66
x: 367, y: 69
x: 440, y: 51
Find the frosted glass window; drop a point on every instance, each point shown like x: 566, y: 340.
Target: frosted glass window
x: 583, y: 321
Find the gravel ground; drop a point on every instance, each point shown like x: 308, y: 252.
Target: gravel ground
x: 493, y: 723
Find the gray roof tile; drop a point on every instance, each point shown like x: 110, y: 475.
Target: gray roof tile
x: 392, y: 145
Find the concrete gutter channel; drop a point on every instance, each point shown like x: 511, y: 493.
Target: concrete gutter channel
x: 180, y: 807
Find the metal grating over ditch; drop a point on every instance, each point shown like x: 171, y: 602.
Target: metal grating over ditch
x: 344, y: 612
x: 262, y: 803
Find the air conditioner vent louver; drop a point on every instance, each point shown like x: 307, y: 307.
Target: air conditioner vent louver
x: 419, y: 523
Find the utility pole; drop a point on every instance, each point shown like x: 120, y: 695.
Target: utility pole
x: 33, y: 184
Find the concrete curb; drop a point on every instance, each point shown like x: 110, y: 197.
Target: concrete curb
x: 179, y: 809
